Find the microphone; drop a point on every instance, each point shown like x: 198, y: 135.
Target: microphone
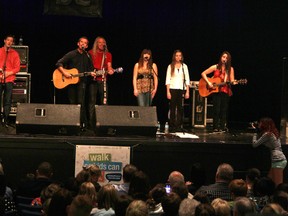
x: 146, y: 57
x: 83, y: 48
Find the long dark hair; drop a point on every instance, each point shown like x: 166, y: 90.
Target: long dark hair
x: 174, y: 60
x: 141, y: 59
x: 228, y: 63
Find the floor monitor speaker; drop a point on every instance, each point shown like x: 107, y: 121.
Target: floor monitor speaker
x: 58, y: 119
x: 126, y: 120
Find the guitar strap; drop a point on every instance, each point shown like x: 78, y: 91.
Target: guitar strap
x: 104, y: 79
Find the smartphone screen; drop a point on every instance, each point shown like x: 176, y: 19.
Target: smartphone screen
x: 168, y: 188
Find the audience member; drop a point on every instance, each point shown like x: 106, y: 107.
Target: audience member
x: 238, y: 188
x: 171, y: 204
x: 139, y: 186
x: 187, y: 207
x: 122, y: 204
x: 205, y: 209
x: 221, y: 207
x: 244, y: 206
x: 46, y: 193
x: 201, y: 197
x: 88, y: 189
x: 263, y: 191
x: 59, y: 203
x: 273, y: 209
x: 128, y: 172
x: 252, y: 176
x: 107, y: 199
x: 220, y: 189
x: 181, y: 189
x: 137, y: 208
x: 281, y: 198
x: 197, y: 178
x: 32, y: 187
x: 174, y: 177
x: 156, y: 196
x: 80, y: 206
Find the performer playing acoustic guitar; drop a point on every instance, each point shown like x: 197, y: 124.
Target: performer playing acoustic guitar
x: 80, y: 60
x: 225, y: 72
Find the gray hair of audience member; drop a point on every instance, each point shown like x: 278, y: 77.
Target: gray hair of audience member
x: 187, y: 207
x: 137, y: 208
x: 175, y: 176
x: 80, y: 206
x: 243, y: 206
x: 224, y: 172
x: 221, y: 207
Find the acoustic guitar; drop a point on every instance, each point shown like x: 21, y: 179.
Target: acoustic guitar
x: 60, y: 81
x: 205, y: 90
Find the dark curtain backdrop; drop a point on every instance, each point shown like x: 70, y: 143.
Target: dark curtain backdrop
x: 254, y: 32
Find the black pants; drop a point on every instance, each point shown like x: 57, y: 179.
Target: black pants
x: 176, y: 108
x: 6, y: 90
x: 220, y: 110
x: 96, y: 90
x: 76, y: 95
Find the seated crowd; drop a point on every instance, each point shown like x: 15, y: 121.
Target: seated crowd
x: 84, y: 196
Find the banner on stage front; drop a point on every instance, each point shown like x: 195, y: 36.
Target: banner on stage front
x: 110, y: 159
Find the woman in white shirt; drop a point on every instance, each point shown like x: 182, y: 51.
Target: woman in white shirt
x: 177, y: 85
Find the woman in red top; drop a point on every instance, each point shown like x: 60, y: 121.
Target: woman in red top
x: 225, y: 72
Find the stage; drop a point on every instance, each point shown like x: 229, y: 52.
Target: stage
x: 156, y: 155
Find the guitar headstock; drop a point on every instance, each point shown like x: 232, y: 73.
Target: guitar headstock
x: 241, y: 81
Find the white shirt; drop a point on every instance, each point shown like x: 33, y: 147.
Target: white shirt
x: 177, y: 80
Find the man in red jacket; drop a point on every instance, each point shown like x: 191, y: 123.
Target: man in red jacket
x: 9, y: 66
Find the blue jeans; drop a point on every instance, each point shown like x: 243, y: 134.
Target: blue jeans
x: 144, y: 99
x: 6, y: 90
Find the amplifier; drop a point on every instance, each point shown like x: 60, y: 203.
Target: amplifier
x: 21, y: 91
x: 24, y: 56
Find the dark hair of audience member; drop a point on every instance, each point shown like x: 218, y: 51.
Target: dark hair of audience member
x: 171, y: 204
x: 181, y: 189
x: 59, y: 202
x: 281, y: 198
x: 128, y: 172
x: 139, y: 186
x: 264, y: 187
x: 202, y: 197
x: 156, y: 195
x: 80, y: 206
x: 122, y: 204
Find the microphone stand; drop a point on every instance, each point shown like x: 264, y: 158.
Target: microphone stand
x: 183, y: 96
x: 151, y: 73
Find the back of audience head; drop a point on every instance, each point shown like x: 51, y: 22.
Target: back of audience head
x: 187, y: 207
x: 243, y: 206
x: 137, y: 208
x: 139, y: 186
x: 202, y: 197
x: 238, y: 187
x: 128, y: 172
x: 281, y: 198
x: 156, y: 195
x: 221, y: 207
x: 204, y: 209
x: 107, y: 197
x: 252, y: 175
x: 88, y: 189
x: 59, y: 203
x: 44, y: 170
x: 264, y: 187
x: 271, y: 209
x: 282, y: 187
x: 171, y: 204
x: 122, y: 204
x: 174, y: 177
x: 224, y: 172
x: 80, y: 206
x: 181, y: 189
x: 49, y: 191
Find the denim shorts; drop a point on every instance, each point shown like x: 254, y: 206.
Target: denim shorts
x: 279, y: 164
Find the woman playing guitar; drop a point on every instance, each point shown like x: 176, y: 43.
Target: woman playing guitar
x: 225, y: 73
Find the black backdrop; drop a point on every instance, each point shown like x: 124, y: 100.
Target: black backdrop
x: 254, y: 32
